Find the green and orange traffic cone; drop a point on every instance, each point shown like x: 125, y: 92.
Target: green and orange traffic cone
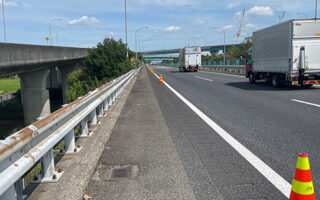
x: 302, y: 186
x: 161, y: 79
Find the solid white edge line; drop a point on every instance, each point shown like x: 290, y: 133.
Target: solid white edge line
x: 305, y: 102
x: 280, y: 183
x: 203, y: 78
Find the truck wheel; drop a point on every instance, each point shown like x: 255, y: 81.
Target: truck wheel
x: 275, y: 81
x: 252, y: 78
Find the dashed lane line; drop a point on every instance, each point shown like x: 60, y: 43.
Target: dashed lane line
x: 305, y: 102
x: 203, y: 78
x: 280, y: 183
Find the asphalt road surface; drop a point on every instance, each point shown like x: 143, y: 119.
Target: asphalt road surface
x: 274, y: 124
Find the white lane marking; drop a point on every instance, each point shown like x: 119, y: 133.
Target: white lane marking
x: 304, y: 102
x: 239, y: 76
x: 203, y: 78
x: 279, y: 182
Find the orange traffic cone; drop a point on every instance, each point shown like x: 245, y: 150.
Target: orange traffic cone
x: 161, y: 80
x: 302, y: 186
x: 152, y: 72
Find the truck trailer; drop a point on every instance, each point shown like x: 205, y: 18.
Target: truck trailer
x: 287, y: 53
x: 190, y: 59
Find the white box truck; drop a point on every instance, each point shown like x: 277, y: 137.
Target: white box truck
x: 287, y: 53
x: 190, y: 59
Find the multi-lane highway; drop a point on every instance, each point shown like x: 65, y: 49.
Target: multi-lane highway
x: 268, y: 127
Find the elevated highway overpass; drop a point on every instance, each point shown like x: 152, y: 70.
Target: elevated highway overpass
x: 171, y: 54
x: 39, y: 67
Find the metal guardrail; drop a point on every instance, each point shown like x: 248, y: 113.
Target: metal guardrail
x: 22, y: 150
x: 232, y: 69
x: 7, y: 97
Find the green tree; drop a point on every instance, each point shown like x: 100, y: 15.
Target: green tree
x: 104, y: 62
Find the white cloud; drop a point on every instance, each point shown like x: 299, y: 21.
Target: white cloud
x: 233, y: 5
x: 172, y: 29
x: 260, y: 11
x: 201, y: 21
x: 251, y: 26
x: 84, y: 20
x: 228, y: 27
x: 9, y: 3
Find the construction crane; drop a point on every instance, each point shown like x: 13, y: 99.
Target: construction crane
x: 241, y: 22
x: 282, y: 16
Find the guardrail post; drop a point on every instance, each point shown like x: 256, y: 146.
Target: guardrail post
x: 113, y: 96
x: 70, y: 144
x: 106, y: 104
x: 100, y: 110
x: 84, y: 128
x: 19, y: 186
x: 10, y: 194
x: 93, y: 117
x: 49, y: 173
x: 110, y: 100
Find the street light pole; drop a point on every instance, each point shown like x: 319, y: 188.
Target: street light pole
x: 126, y: 26
x: 316, y: 10
x: 50, y: 29
x: 136, y: 40
x: 4, y: 23
x: 224, y: 44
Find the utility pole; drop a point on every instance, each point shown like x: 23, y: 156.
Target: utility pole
x: 126, y: 26
x: 4, y: 23
x: 316, y: 10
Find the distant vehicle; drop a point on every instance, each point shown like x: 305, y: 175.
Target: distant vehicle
x: 190, y: 59
x: 286, y: 53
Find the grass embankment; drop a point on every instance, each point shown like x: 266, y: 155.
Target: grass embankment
x: 9, y: 85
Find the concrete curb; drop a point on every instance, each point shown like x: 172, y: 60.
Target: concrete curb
x: 80, y: 168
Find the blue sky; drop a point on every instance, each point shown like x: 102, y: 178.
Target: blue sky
x: 172, y: 23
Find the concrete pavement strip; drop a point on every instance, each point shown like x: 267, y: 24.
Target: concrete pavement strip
x: 142, y: 148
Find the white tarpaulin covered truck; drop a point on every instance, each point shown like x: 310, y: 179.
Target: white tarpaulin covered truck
x: 287, y: 53
x: 190, y: 59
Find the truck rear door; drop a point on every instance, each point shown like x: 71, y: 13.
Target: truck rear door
x: 307, y: 35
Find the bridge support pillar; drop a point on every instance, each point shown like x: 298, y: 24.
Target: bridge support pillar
x: 34, y: 95
x: 65, y: 71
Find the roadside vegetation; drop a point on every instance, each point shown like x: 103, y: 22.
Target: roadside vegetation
x: 105, y: 62
x: 8, y: 85
x: 235, y: 53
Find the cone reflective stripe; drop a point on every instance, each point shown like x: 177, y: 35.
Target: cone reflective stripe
x: 302, y: 186
x: 161, y: 80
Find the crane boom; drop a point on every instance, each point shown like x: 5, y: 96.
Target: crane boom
x: 241, y: 22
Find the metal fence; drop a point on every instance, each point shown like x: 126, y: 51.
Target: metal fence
x: 230, y: 69
x: 22, y: 150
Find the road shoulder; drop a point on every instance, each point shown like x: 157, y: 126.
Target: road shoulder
x: 141, y: 140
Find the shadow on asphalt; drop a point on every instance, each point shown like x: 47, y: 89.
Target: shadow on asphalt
x: 267, y: 87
